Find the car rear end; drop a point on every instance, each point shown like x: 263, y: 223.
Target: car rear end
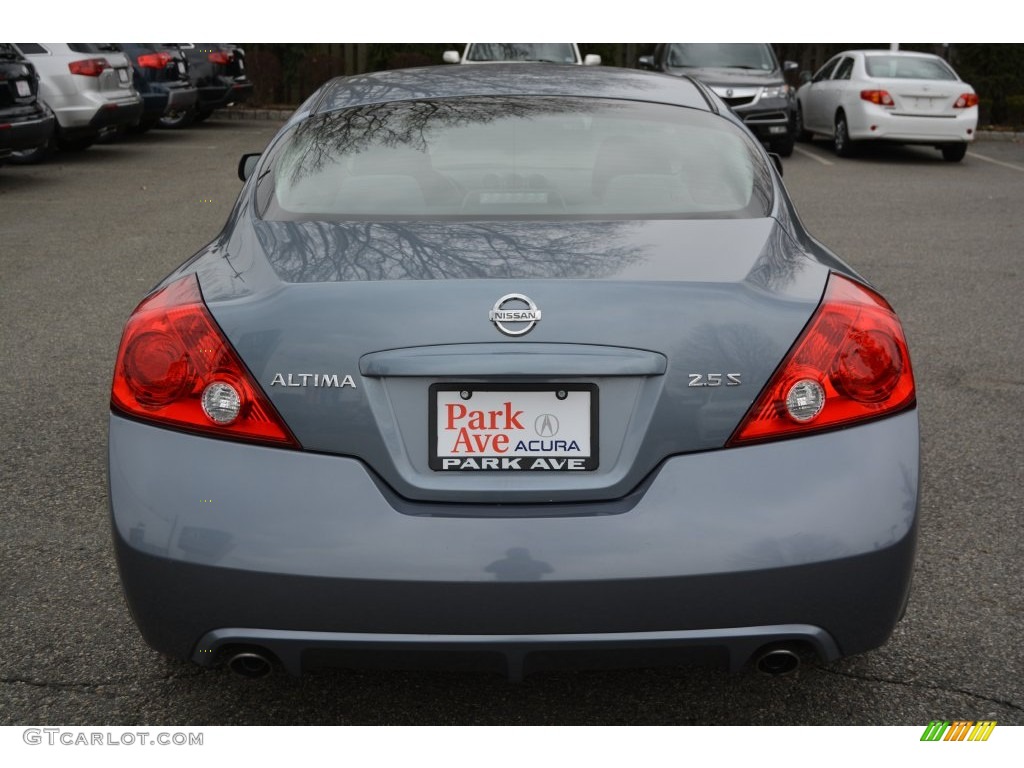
x: 88, y: 86
x: 912, y: 98
x: 472, y: 425
x: 25, y: 122
x: 161, y: 76
x: 218, y: 71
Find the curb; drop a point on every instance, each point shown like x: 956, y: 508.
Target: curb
x: 1000, y: 136
x: 254, y: 114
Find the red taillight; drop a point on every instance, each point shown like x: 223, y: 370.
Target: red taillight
x: 851, y: 363
x: 176, y: 368
x: 89, y: 67
x: 965, y: 100
x: 154, y: 60
x: 881, y: 98
x: 220, y: 57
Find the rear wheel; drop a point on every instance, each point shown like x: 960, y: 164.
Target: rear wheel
x: 76, y: 144
x: 953, y: 153
x: 801, y: 133
x: 31, y: 156
x: 177, y: 119
x: 841, y: 137
x: 145, y: 124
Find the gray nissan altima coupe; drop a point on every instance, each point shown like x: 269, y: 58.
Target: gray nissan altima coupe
x: 513, y: 366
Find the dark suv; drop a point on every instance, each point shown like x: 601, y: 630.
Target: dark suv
x: 218, y: 71
x: 160, y: 73
x: 25, y: 122
x: 746, y: 76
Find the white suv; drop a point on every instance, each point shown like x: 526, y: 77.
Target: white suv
x: 89, y: 88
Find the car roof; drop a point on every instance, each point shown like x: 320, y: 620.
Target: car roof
x: 889, y: 52
x: 510, y: 80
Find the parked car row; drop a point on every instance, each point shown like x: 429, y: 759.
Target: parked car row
x: 904, y: 97
x: 69, y: 95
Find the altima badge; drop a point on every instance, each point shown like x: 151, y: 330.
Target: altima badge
x: 509, y: 309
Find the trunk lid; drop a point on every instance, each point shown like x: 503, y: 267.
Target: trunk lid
x: 924, y: 98
x: 367, y: 336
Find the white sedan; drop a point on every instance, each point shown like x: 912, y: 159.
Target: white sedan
x: 898, y: 96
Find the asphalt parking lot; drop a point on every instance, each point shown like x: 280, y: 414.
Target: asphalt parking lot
x: 82, y: 239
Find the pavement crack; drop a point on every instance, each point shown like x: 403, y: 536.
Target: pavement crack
x: 927, y: 686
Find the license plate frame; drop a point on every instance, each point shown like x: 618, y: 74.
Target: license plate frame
x: 518, y: 404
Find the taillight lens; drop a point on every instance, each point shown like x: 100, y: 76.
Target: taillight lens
x: 154, y: 60
x: 176, y: 368
x: 881, y: 98
x: 851, y: 363
x: 965, y: 100
x: 89, y: 67
x: 220, y: 57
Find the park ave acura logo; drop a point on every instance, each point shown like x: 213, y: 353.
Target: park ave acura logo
x: 514, y: 314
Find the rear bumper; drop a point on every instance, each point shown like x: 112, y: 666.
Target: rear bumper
x: 878, y: 123
x: 28, y: 132
x: 222, y: 544
x: 91, y: 110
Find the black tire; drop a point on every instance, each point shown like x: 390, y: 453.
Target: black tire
x: 953, y: 153
x: 783, y: 147
x: 801, y: 133
x: 31, y: 156
x: 200, y: 116
x: 841, y: 137
x: 179, y: 119
x: 76, y: 144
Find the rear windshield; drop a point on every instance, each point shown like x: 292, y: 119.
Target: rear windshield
x: 557, y: 53
x: 756, y: 56
x: 487, y: 157
x: 909, y: 67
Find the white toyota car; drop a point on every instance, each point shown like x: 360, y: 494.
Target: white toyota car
x: 898, y: 96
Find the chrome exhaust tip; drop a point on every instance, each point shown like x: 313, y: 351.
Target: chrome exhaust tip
x: 250, y: 664
x: 778, y: 662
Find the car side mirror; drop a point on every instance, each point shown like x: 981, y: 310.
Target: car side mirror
x: 805, y: 77
x: 247, y: 165
x: 790, y: 66
x: 591, y: 60
x: 645, y: 62
x: 451, y: 57
x: 777, y: 161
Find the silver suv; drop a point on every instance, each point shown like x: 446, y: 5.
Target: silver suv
x: 552, y: 53
x: 89, y: 88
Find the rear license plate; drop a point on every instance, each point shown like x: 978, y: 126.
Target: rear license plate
x: 24, y: 89
x: 181, y: 68
x: 514, y: 428
x: 122, y: 76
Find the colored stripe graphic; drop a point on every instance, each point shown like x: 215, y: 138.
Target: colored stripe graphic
x: 982, y: 730
x: 935, y: 730
x: 958, y: 730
